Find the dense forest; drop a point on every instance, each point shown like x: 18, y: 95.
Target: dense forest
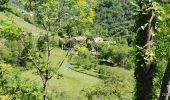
x: 84, y: 50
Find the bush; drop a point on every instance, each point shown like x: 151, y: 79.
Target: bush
x: 84, y: 58
x: 14, y: 88
x: 42, y: 43
x: 119, y: 84
x: 119, y: 55
x: 14, y: 48
x: 104, y: 50
x: 5, y: 53
x: 101, y: 70
x: 24, y: 58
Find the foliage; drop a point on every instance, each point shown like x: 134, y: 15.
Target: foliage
x: 24, y: 56
x: 118, y: 85
x: 84, y: 58
x: 68, y: 15
x: 4, y: 53
x: 13, y: 87
x: 119, y: 55
x: 41, y: 44
x: 113, y: 17
x: 104, y: 49
x: 145, y: 8
x: 14, y: 48
x: 2, y: 2
x: 9, y: 31
x: 10, y: 34
x: 17, y: 44
x: 162, y: 48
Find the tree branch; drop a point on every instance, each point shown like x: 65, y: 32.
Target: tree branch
x: 37, y: 67
x: 60, y: 65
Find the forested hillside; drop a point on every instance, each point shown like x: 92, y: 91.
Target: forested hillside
x: 84, y: 49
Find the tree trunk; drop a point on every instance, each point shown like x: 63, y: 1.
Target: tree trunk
x: 144, y: 68
x: 165, y: 87
x: 46, y: 77
x: 45, y: 90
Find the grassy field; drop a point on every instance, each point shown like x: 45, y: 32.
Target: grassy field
x: 71, y: 83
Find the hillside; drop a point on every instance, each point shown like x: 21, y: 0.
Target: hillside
x: 25, y: 26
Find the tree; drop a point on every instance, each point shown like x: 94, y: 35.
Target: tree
x: 54, y: 16
x: 147, y: 12
x: 113, y: 17
x: 165, y: 88
x: 163, y: 51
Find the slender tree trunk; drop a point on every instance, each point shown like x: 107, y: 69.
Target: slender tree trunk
x: 144, y: 68
x: 45, y: 90
x: 46, y: 77
x: 165, y: 87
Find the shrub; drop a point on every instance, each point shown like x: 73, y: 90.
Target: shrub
x: 84, y: 58
x: 41, y: 43
x: 4, y: 53
x: 119, y: 55
x: 24, y: 58
x: 13, y: 87
x: 104, y: 50
x: 101, y: 69
x: 119, y: 84
x: 14, y: 48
